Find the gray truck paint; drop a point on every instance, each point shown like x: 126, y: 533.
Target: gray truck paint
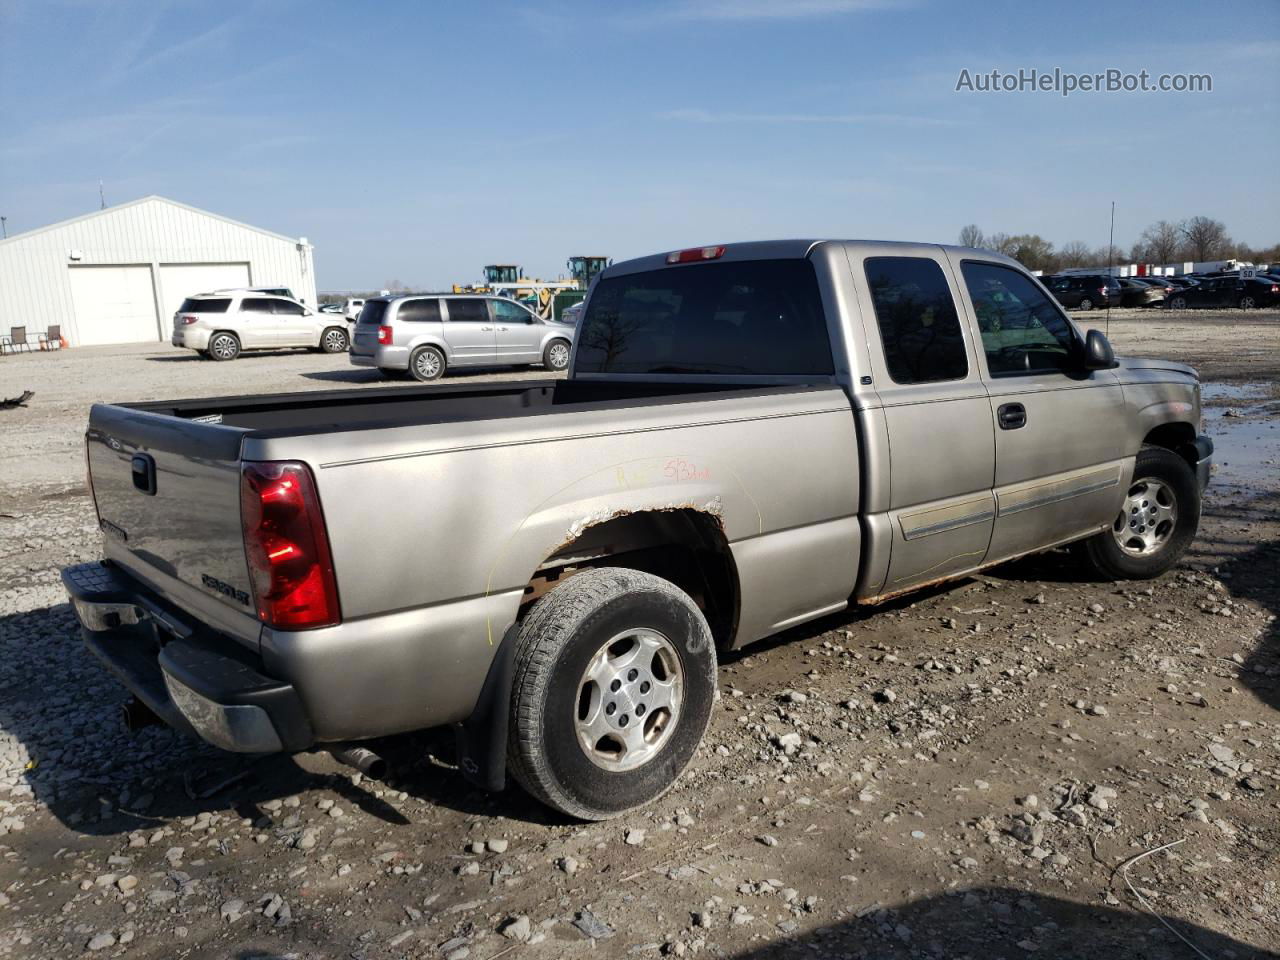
x: 851, y: 489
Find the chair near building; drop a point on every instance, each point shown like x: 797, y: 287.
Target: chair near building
x: 15, y: 341
x: 51, y: 339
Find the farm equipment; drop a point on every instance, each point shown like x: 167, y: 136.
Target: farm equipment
x: 547, y: 298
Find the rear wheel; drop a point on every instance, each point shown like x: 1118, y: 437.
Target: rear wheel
x: 333, y: 340
x: 426, y: 363
x: 1247, y: 303
x: 615, y: 676
x: 556, y: 355
x: 1178, y: 303
x: 1086, y: 303
x: 224, y: 346
x: 1156, y: 522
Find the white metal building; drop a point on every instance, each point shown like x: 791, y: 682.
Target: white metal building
x: 118, y: 275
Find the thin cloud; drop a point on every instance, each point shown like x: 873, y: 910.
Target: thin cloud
x: 845, y: 119
x: 777, y: 9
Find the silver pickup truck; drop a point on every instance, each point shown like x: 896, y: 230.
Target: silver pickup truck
x: 751, y: 436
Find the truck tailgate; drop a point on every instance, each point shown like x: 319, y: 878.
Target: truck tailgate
x: 168, y: 497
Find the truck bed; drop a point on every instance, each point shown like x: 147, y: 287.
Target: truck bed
x: 312, y: 412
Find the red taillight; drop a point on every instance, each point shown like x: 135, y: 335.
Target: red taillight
x: 287, y: 547
x: 384, y: 335
x: 694, y: 254
x: 1275, y: 288
x: 188, y: 319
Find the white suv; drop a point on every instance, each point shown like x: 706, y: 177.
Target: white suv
x: 219, y: 326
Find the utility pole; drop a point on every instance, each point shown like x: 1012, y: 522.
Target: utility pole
x: 102, y: 200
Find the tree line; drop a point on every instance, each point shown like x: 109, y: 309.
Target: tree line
x: 1196, y: 239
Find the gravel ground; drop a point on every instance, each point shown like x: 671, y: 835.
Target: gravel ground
x: 969, y: 772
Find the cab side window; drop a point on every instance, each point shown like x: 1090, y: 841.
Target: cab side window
x: 287, y: 308
x: 1022, y: 331
x: 504, y: 311
x: 468, y: 311
x: 919, y: 326
x: 255, y: 305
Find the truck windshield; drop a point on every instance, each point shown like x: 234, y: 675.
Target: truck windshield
x: 749, y: 317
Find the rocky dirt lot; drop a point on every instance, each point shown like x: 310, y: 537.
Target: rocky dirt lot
x: 1018, y: 764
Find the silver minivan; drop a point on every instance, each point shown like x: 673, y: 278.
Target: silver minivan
x: 426, y: 335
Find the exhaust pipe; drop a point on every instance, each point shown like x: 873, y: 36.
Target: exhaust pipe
x: 362, y: 759
x: 137, y: 715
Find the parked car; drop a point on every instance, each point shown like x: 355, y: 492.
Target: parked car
x: 353, y: 307
x: 1135, y: 292
x: 273, y: 291
x: 1227, y: 292
x: 573, y: 313
x: 1161, y: 285
x: 751, y: 436
x: 332, y: 308
x: 222, y: 325
x: 1086, y: 291
x: 425, y: 336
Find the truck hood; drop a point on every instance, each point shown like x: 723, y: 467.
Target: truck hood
x: 1164, y: 366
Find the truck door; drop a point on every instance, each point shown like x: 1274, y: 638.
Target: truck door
x: 936, y: 415
x: 1059, y: 434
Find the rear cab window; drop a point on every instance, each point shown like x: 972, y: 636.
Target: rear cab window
x: 918, y: 321
x: 205, y: 305
x: 749, y: 317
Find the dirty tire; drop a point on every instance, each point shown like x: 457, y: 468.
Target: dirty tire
x: 556, y: 355
x: 426, y: 363
x: 1102, y: 551
x: 224, y: 346
x: 561, y: 636
x: 334, y: 340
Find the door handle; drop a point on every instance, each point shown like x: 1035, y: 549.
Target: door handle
x: 500, y: 329
x: 485, y: 329
x: 1012, y: 416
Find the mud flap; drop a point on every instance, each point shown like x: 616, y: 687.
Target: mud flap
x: 482, y: 737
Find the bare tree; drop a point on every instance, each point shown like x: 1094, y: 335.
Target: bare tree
x: 971, y: 236
x: 1075, y: 254
x: 1205, y: 238
x: 1159, y: 243
x: 1031, y: 250
x: 1000, y: 243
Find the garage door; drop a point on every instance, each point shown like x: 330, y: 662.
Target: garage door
x: 113, y: 304
x: 180, y: 280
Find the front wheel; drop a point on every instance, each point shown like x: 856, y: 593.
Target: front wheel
x: 1156, y: 522
x: 224, y: 346
x: 556, y: 355
x: 615, y: 676
x: 334, y: 340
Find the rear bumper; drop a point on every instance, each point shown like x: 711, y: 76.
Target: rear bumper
x: 193, y: 680
x: 385, y: 357
x: 1204, y: 461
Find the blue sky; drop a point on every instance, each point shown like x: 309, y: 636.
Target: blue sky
x: 418, y: 141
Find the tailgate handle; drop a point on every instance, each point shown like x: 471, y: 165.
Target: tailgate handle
x: 144, y: 473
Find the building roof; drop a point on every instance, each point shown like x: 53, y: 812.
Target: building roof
x: 141, y: 200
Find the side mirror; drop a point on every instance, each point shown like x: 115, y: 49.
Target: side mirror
x: 1098, y: 354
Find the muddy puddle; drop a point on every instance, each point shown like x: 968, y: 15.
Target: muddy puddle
x: 1243, y: 420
